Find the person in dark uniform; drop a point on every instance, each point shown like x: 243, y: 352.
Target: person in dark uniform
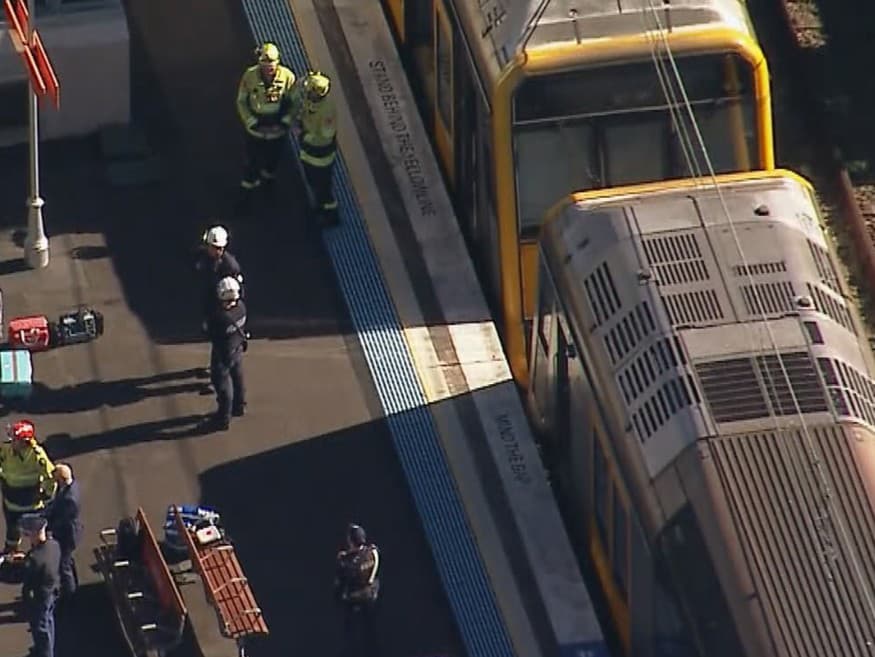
x: 214, y: 262
x: 357, y: 587
x: 65, y: 525
x: 226, y: 327
x: 39, y: 590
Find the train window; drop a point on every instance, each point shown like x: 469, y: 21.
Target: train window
x: 444, y: 72
x: 601, y: 488
x: 418, y: 22
x: 612, y: 125
x: 693, y: 575
x: 620, y: 548
x: 550, y: 164
x: 813, y: 332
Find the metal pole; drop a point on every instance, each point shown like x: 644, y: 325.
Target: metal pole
x: 36, y: 244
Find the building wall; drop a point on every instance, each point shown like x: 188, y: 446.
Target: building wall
x: 89, y: 45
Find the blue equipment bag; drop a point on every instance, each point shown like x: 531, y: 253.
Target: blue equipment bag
x: 16, y: 373
x: 193, y: 517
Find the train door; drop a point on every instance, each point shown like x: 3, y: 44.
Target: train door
x: 443, y: 90
x: 466, y: 151
x: 418, y: 39
x: 397, y: 18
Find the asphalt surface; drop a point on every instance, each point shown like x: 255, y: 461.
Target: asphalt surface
x: 311, y: 454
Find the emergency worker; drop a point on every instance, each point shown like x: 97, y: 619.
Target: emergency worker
x: 227, y: 330
x: 65, y: 525
x: 39, y: 590
x: 26, y: 478
x: 316, y: 128
x: 214, y: 263
x: 265, y: 106
x: 357, y: 588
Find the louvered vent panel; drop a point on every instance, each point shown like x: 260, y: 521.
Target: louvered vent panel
x: 676, y: 259
x: 691, y: 308
x: 732, y: 390
x: 824, y: 267
x: 768, y: 298
x: 602, y: 293
x: 629, y: 332
x: 760, y: 269
x: 852, y: 392
x: 833, y: 308
x: 806, y: 386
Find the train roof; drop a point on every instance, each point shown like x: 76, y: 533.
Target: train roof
x: 684, y: 334
x: 499, y: 29
x: 675, y: 295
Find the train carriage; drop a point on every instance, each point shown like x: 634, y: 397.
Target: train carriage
x: 531, y: 100
x: 707, y: 392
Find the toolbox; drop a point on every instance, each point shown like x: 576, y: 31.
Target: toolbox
x: 16, y: 373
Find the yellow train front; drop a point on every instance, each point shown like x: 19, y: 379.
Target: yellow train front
x: 707, y: 395
x: 530, y: 101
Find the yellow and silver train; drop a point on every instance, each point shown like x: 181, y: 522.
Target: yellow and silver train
x: 707, y: 391
x: 530, y: 100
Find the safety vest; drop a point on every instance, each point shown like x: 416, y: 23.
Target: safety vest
x: 26, y: 478
x: 263, y: 104
x: 318, y: 131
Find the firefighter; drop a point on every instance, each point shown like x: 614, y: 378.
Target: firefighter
x: 357, y: 587
x: 26, y: 478
x: 265, y: 106
x: 39, y: 590
x: 227, y: 330
x: 316, y: 129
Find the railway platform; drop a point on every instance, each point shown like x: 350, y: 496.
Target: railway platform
x: 378, y: 389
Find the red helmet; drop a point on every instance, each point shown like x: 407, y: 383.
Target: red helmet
x: 22, y: 430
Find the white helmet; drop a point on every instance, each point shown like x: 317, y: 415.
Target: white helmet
x: 216, y: 236
x: 228, y: 289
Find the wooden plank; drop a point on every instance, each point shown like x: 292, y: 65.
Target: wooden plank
x: 218, y: 566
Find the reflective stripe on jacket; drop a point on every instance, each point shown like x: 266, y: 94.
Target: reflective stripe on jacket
x: 26, y: 478
x: 262, y: 105
x: 318, y: 131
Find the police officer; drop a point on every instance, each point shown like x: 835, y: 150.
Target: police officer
x: 265, y: 107
x: 357, y: 587
x: 66, y: 526
x: 316, y: 128
x: 26, y: 478
x: 214, y: 262
x: 227, y: 330
x: 40, y: 585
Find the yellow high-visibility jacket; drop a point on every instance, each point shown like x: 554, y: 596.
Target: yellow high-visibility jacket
x: 262, y: 105
x: 26, y: 478
x: 318, y: 121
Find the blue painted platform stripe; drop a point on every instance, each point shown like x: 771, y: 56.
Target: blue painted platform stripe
x: 412, y: 427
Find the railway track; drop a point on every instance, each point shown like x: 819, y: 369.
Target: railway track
x: 819, y: 51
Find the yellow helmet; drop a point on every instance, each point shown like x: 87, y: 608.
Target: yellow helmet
x: 317, y: 84
x: 268, y: 53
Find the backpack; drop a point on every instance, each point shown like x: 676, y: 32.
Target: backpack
x: 128, y: 539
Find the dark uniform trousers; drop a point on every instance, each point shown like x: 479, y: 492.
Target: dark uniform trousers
x: 13, y: 533
x: 66, y: 528
x: 39, y: 592
x: 262, y: 160
x: 228, y: 338
x: 319, y: 181
x: 359, y: 598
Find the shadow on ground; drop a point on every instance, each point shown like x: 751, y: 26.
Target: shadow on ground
x: 287, y: 510
x: 152, y: 230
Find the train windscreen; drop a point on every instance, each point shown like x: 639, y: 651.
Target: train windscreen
x: 630, y: 123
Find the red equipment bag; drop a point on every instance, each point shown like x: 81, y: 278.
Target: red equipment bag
x: 31, y: 333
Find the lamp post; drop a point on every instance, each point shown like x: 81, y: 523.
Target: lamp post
x: 36, y: 244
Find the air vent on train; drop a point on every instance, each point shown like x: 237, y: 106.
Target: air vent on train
x: 773, y: 298
x: 827, y: 304
x: 824, y: 266
x: 602, y: 293
x: 691, y: 308
x: 676, y: 259
x: 745, y: 388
